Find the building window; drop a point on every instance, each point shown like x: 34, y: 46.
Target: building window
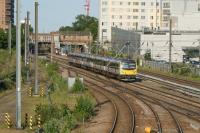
x: 166, y: 5
x: 151, y: 17
x: 120, y: 24
x: 199, y: 7
x: 142, y: 10
x: 165, y: 18
x: 166, y: 12
x: 120, y: 3
x: 135, y: 17
x: 142, y: 17
x: 129, y: 3
x: 120, y: 17
x: 157, y: 4
x: 104, y: 3
x: 136, y: 3
x: 135, y: 10
x: 113, y: 17
x: 135, y: 23
x: 143, y: 3
x: 152, y: 3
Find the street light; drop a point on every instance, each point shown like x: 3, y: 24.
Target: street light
x: 18, y: 66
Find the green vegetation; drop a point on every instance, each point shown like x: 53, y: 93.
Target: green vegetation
x: 83, y: 23
x: 7, y: 71
x: 66, y: 110
x: 179, y: 70
x: 56, y: 119
x: 78, y: 86
x: 147, y: 56
x: 192, y: 53
x: 84, y: 108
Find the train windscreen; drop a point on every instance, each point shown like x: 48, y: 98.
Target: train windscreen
x: 128, y: 65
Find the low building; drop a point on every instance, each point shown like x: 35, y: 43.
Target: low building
x: 155, y: 43
x: 64, y: 40
x: 158, y: 45
x: 76, y: 37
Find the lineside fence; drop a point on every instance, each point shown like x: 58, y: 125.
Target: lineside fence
x: 164, y: 67
x: 156, y: 66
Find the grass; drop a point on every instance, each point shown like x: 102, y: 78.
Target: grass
x: 7, y: 71
x: 189, y: 78
x: 59, y: 95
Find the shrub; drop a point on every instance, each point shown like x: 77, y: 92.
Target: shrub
x: 185, y: 71
x: 47, y: 112
x: 56, y: 119
x: 52, y: 126
x: 78, y: 86
x: 84, y: 108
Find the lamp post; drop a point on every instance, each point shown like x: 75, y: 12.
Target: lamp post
x: 18, y: 66
x: 36, y: 48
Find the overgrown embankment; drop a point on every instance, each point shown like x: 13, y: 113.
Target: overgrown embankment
x: 62, y: 110
x: 7, y: 70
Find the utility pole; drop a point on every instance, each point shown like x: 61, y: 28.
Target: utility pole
x: 36, y: 48
x: 25, y: 42
x: 28, y: 48
x: 18, y: 66
x: 51, y: 51
x: 9, y: 37
x: 128, y: 49
x: 170, y: 43
x: 90, y: 47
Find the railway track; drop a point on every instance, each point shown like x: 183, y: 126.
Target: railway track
x: 144, y: 97
x: 113, y: 105
x: 121, y: 122
x: 173, y: 79
x: 158, y: 122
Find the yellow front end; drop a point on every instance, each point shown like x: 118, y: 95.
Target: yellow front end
x: 132, y: 72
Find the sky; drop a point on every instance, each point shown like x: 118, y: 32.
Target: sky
x: 56, y: 13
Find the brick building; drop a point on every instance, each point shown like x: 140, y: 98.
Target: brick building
x: 6, y: 13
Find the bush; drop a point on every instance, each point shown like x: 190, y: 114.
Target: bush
x: 78, y: 86
x: 47, y: 112
x: 56, y: 119
x: 84, y: 108
x: 185, y: 71
x: 52, y: 126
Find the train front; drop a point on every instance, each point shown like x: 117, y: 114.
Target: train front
x: 128, y: 70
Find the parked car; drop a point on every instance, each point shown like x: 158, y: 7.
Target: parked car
x: 195, y: 64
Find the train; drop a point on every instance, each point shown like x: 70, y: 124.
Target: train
x: 122, y: 69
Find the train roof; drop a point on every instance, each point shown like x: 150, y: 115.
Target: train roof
x: 110, y: 59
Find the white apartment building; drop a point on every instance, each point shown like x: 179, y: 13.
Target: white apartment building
x: 140, y: 14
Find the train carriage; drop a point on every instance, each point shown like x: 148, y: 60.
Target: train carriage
x: 123, y: 69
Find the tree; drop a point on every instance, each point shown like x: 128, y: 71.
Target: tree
x: 3, y: 39
x: 66, y: 28
x: 147, y: 55
x: 83, y: 23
